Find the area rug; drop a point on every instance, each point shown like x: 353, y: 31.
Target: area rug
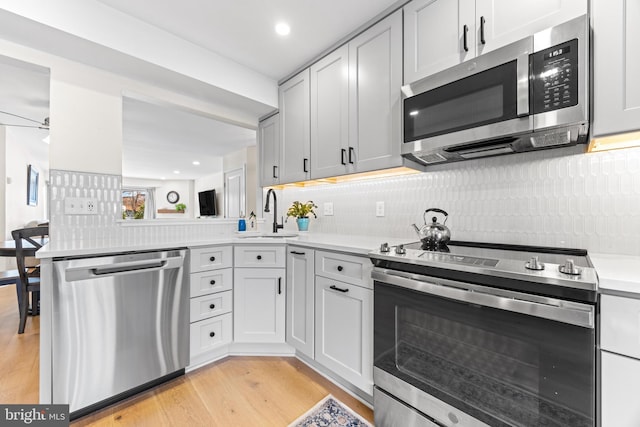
x: 330, y: 412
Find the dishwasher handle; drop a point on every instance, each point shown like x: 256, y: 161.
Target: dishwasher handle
x: 122, y: 268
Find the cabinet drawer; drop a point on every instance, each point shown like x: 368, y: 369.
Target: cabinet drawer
x: 347, y: 268
x: 211, y: 333
x: 210, y: 305
x: 620, y: 322
x: 209, y: 282
x: 211, y: 258
x: 260, y: 256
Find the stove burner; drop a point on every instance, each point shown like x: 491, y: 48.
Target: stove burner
x: 435, y: 248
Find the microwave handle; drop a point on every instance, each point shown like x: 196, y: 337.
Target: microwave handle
x: 522, y: 87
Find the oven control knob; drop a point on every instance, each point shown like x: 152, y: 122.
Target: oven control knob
x: 385, y: 247
x: 570, y: 268
x: 534, y: 264
x: 400, y: 250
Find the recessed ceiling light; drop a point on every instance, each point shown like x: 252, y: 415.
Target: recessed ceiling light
x: 176, y: 172
x: 283, y: 28
x: 163, y: 177
x: 195, y: 162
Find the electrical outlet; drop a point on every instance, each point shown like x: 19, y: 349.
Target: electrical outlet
x: 80, y: 206
x: 328, y: 208
x: 379, y: 208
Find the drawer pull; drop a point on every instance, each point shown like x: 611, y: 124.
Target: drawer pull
x: 212, y: 258
x: 212, y: 334
x: 340, y: 268
x: 297, y: 253
x: 259, y: 257
x: 212, y: 306
x: 335, y: 288
x: 213, y: 282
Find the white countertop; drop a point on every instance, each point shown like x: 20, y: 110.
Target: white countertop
x: 359, y: 245
x: 617, y: 273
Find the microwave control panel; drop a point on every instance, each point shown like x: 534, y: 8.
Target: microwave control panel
x: 555, y: 77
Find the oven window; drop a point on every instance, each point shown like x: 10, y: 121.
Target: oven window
x: 501, y: 367
x: 484, y: 98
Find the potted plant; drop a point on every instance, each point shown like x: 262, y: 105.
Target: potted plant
x: 302, y: 211
x: 180, y: 207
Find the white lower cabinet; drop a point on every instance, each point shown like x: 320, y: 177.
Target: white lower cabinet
x: 300, y: 299
x: 620, y: 361
x: 211, y: 334
x: 344, y: 331
x: 210, y: 282
x: 259, y: 305
x: 620, y: 391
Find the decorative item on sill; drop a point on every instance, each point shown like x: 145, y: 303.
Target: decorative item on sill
x: 252, y: 221
x: 181, y: 207
x: 302, y: 211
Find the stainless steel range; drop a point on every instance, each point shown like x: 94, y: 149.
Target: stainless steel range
x: 484, y: 334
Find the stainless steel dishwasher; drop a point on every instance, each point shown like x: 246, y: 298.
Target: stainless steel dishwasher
x: 120, y: 324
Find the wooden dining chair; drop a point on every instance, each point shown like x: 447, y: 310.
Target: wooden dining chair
x: 29, y: 276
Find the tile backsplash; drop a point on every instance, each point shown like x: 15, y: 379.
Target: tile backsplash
x: 106, y: 225
x: 560, y: 198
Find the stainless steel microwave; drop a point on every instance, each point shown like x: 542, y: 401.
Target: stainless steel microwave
x: 529, y: 95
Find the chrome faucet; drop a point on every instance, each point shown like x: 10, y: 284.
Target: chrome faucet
x: 275, y: 210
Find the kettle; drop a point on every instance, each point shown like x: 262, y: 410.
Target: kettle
x: 433, y: 235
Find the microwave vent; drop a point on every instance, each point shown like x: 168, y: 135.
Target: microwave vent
x: 432, y: 158
x: 551, y: 139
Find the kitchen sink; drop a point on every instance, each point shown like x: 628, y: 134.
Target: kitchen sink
x: 263, y: 235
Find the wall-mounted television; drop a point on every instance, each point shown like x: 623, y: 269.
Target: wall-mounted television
x: 207, y: 200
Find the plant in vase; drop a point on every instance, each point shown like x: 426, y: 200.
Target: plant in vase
x: 180, y: 207
x: 302, y: 211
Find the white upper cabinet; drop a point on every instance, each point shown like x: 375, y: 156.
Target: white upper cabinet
x: 434, y: 37
x: 329, y: 114
x: 269, y: 146
x: 375, y: 65
x: 294, y: 129
x: 355, y: 103
x: 616, y: 66
x: 441, y: 33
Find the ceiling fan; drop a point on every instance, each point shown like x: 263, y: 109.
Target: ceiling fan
x: 44, y: 124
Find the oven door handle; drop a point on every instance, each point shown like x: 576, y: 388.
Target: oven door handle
x: 569, y: 312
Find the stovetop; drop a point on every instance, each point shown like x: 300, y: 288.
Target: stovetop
x: 542, y: 265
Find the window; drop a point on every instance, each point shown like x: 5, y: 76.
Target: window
x: 133, y: 203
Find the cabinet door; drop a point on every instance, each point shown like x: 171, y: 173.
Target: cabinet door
x: 616, y: 66
x: 300, y: 296
x: 434, y: 36
x: 344, y: 331
x: 259, y: 305
x: 294, y: 129
x: 330, y: 114
x: 269, y: 142
x: 375, y: 67
x: 620, y: 391
x: 500, y: 22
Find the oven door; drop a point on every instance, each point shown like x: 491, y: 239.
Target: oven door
x: 482, y: 99
x: 460, y: 352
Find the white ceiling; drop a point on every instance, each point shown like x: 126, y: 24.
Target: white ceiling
x: 24, y: 91
x: 243, y: 30
x: 159, y: 138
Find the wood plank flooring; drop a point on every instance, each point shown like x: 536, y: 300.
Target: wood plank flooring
x: 236, y: 391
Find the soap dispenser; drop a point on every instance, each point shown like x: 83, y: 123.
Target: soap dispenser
x: 242, y: 224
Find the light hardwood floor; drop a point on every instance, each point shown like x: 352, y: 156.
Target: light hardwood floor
x: 236, y: 391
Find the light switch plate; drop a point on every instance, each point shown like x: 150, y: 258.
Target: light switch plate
x: 379, y: 208
x: 328, y: 208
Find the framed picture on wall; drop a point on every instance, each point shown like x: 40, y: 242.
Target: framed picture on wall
x: 32, y: 186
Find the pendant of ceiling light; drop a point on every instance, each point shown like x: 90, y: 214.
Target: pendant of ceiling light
x: 40, y: 124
